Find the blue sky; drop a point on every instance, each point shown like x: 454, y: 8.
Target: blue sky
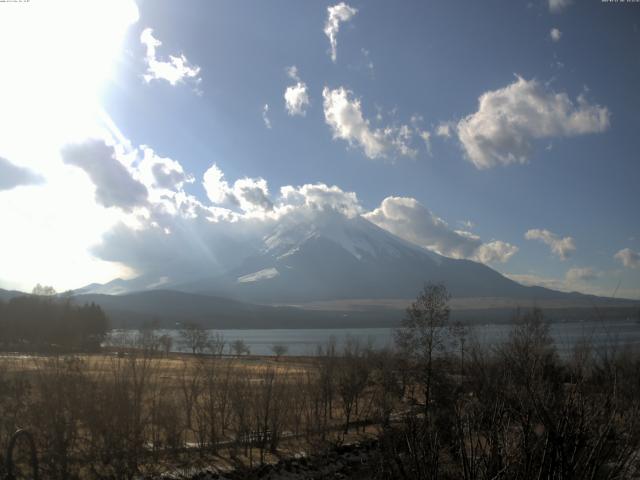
x: 553, y: 152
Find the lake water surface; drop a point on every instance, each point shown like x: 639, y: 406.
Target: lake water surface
x: 306, y: 341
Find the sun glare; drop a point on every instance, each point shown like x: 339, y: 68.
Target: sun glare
x: 59, y: 55
x: 57, y: 59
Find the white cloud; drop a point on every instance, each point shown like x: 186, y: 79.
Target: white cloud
x: 575, y: 279
x: 560, y: 246
x: 344, y: 115
x: 179, y: 237
x: 468, y: 224
x: 369, y: 62
x: 12, y: 176
x: 444, y: 129
x: 292, y: 73
x: 412, y: 221
x: 578, y: 275
x: 319, y: 197
x: 177, y: 70
x: 336, y: 15
x: 628, y: 257
x: 296, y: 97
x: 265, y: 116
x: 426, y: 137
x: 530, y: 279
x: 509, y: 119
x: 115, y: 184
x: 194, y: 240
x: 216, y: 188
x: 556, y: 6
x: 160, y: 172
x: 250, y: 194
x: 495, y: 251
x: 555, y: 34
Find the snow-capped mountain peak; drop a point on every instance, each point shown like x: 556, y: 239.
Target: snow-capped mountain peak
x: 357, y: 236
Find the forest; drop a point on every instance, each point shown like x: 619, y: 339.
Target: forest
x: 47, y: 323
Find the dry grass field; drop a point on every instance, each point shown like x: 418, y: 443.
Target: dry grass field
x: 102, y: 415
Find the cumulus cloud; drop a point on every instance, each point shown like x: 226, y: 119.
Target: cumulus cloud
x: 115, y: 184
x: 250, y: 194
x: 319, y: 197
x: 12, y: 176
x: 161, y: 172
x: 412, y: 221
x: 495, y: 251
x: 555, y: 34
x: 560, y: 246
x: 215, y: 186
x: 628, y: 258
x: 557, y: 6
x: 509, y: 119
x: 296, y: 98
x: 176, y: 70
x: 344, y: 115
x: 336, y: 15
x: 181, y: 238
x: 265, y: 116
x: 192, y: 240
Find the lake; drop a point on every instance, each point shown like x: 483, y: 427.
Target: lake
x: 305, y: 341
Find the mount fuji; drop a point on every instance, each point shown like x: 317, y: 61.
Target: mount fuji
x: 329, y: 269
x: 330, y: 256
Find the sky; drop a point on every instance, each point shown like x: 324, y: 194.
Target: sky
x: 134, y: 134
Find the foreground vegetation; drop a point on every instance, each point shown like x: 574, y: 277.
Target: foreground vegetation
x: 440, y: 405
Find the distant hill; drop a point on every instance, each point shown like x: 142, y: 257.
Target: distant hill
x: 170, y: 308
x: 9, y: 294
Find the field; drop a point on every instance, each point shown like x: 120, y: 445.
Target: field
x: 152, y: 414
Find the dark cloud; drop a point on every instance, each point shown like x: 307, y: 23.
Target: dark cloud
x: 167, y: 177
x: 115, y: 186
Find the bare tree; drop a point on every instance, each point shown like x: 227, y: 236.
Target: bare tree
x: 421, y: 333
x: 217, y: 344
x: 239, y: 347
x: 44, y: 290
x: 194, y: 337
x: 279, y: 350
x: 352, y: 378
x: 147, y: 338
x: 166, y: 342
x: 460, y: 334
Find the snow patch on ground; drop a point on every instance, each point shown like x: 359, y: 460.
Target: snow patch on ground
x: 264, y: 274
